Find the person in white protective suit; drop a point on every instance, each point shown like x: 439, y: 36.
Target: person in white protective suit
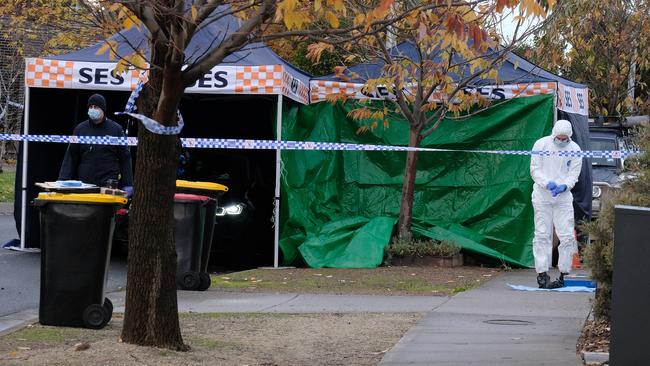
x: 554, y: 177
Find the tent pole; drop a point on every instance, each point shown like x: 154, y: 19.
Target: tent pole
x: 557, y: 95
x: 278, y: 172
x: 23, y: 203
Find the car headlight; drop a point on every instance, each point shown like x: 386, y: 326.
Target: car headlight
x: 230, y: 210
x: 234, y: 209
x: 596, y: 191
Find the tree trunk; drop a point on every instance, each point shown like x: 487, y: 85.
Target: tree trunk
x: 151, y: 312
x: 408, y: 187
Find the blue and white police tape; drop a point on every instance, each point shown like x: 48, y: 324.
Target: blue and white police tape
x: 212, y: 143
x: 155, y: 127
x: 150, y: 124
x: 130, y: 104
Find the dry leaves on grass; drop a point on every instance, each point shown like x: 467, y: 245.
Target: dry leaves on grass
x: 376, y: 281
x: 594, y: 338
x: 221, y: 339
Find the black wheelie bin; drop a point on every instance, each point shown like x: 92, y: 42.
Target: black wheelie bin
x: 189, y: 221
x: 214, y: 191
x: 76, y: 234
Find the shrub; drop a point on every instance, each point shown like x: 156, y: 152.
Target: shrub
x: 599, y: 254
x: 404, y: 247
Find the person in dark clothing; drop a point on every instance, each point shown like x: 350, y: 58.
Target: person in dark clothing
x: 97, y: 164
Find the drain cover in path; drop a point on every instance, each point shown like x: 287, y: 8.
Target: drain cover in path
x: 508, y: 322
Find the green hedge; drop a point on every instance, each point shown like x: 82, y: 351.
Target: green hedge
x: 599, y: 254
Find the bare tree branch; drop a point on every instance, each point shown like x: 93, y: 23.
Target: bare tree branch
x: 148, y: 18
x: 233, y: 43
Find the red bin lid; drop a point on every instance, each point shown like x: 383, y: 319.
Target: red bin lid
x: 190, y: 197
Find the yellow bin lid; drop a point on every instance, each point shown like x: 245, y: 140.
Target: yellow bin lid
x: 81, y: 197
x: 206, y: 186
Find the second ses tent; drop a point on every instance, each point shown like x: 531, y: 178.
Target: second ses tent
x: 339, y: 207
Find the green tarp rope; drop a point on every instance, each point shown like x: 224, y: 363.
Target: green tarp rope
x: 339, y: 207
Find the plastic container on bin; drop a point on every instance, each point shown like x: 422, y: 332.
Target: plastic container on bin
x: 214, y: 191
x: 76, y: 232
x: 189, y: 222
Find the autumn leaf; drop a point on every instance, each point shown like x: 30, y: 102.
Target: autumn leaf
x: 359, y: 19
x: 81, y: 346
x: 422, y: 31
x: 332, y: 19
x: 350, y: 58
x: 122, y: 66
x: 108, y: 46
x: 359, y: 114
x: 130, y: 22
x: 532, y: 7
x: 385, y: 5
x: 125, y: 63
x: 138, y: 60
x: 337, y: 97
x: 429, y: 107
x: 315, y: 50
x: 290, y: 14
x: 455, y: 25
x: 339, y: 71
x: 338, y: 5
x: 362, y: 129
x: 104, y: 48
x: 501, y: 4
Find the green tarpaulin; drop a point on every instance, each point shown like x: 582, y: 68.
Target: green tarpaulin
x: 339, y: 207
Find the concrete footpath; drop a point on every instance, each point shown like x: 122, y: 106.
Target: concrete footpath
x: 490, y: 325
x: 234, y: 302
x: 495, y: 325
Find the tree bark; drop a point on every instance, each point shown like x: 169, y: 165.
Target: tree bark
x: 151, y: 311
x: 408, y: 187
x: 151, y: 314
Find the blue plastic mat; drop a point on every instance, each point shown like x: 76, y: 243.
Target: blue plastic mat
x: 561, y: 289
x: 579, y: 281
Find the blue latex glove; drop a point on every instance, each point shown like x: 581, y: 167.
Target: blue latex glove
x: 559, y: 189
x: 551, y: 186
x: 128, y: 190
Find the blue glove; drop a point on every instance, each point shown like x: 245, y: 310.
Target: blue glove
x: 559, y: 189
x: 551, y: 186
x: 128, y: 190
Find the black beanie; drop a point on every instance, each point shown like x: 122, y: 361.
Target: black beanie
x: 98, y: 100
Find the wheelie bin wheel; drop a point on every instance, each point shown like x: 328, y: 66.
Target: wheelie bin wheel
x: 108, y: 305
x: 190, y: 281
x: 205, y: 281
x: 95, y: 316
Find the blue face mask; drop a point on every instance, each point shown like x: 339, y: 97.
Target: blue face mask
x: 94, y: 114
x: 560, y: 143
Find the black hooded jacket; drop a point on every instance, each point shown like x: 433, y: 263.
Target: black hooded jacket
x: 95, y: 164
